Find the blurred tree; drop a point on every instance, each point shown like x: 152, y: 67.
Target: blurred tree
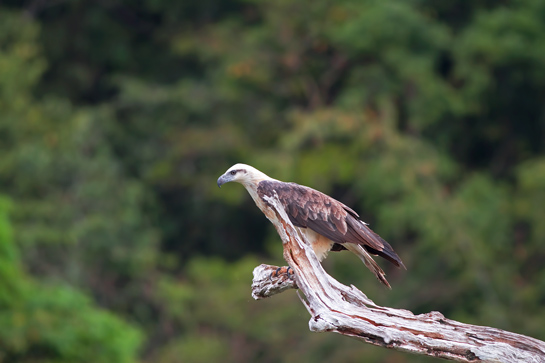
x: 76, y: 216
x: 42, y: 322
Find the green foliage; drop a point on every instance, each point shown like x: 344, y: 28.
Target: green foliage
x: 9, y: 259
x: 75, y: 213
x: 45, y: 323
x: 59, y: 324
x: 425, y: 116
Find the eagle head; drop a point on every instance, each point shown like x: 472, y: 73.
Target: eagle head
x: 243, y: 174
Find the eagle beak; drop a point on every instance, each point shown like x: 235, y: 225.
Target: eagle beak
x: 222, y: 180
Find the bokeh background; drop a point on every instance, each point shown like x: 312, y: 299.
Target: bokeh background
x: 117, y: 117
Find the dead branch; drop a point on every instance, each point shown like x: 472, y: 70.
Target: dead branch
x: 335, y: 307
x: 266, y: 284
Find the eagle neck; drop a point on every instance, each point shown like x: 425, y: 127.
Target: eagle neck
x: 252, y: 190
x: 251, y: 187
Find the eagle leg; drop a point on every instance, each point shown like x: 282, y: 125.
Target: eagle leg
x: 284, y: 270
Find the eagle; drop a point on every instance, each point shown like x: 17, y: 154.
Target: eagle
x: 328, y: 224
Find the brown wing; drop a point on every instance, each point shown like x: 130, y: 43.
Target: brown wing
x: 309, y: 208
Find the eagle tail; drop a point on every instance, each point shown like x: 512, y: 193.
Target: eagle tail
x: 359, y: 251
x: 383, y: 248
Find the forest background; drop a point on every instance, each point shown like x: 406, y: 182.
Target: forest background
x: 117, y: 117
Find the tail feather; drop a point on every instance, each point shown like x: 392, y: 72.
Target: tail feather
x: 372, y: 242
x: 359, y: 251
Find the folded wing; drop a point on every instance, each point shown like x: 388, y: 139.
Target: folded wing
x: 309, y: 208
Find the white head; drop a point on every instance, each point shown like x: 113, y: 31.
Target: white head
x: 243, y: 174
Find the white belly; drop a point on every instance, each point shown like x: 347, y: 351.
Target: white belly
x: 320, y: 244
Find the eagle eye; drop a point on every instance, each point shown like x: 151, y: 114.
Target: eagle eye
x: 233, y: 172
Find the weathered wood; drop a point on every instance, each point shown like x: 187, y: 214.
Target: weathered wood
x: 335, y: 307
x: 266, y: 283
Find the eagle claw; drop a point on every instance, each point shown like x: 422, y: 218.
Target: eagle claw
x: 288, y: 272
x: 281, y: 271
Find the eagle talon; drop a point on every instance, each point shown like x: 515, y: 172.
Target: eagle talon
x: 275, y: 273
x: 290, y: 275
x: 282, y: 271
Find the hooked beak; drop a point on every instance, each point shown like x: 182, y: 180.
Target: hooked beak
x: 222, y: 180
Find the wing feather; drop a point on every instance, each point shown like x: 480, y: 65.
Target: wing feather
x: 309, y: 208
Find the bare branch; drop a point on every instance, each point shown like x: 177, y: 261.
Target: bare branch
x: 266, y: 283
x: 335, y: 307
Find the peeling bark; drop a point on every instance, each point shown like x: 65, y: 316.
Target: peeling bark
x: 346, y: 310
